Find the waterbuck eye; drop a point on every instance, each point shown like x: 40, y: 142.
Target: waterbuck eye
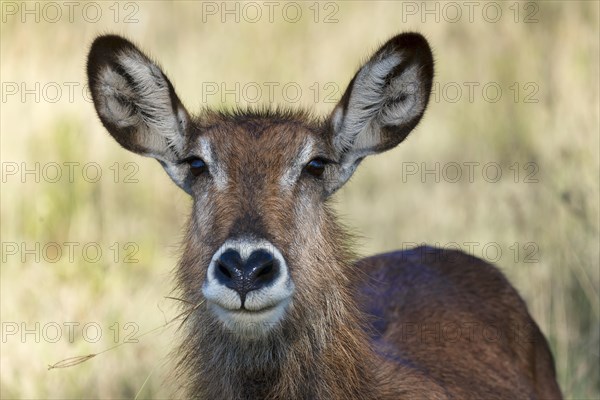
x: 315, y: 167
x: 197, y: 166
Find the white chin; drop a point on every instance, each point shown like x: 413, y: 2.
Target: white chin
x: 248, y: 324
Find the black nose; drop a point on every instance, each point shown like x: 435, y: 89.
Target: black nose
x: 260, y: 269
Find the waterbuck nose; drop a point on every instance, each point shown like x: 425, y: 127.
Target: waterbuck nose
x: 259, y: 270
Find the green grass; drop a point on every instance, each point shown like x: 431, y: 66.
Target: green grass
x: 557, y: 217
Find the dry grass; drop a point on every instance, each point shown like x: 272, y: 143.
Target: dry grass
x: 558, y: 215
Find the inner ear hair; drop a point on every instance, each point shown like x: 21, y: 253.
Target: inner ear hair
x: 138, y: 105
x: 135, y: 100
x: 386, y: 98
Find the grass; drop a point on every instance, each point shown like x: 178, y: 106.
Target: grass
x: 554, y: 221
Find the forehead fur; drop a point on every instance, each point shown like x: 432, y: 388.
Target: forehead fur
x: 261, y: 124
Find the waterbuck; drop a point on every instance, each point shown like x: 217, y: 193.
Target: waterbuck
x: 283, y: 309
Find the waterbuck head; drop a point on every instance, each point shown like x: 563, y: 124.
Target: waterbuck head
x: 263, y: 249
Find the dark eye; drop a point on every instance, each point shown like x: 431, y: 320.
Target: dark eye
x: 315, y: 167
x: 197, y: 166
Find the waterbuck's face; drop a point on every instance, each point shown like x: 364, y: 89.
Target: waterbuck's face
x: 261, y: 241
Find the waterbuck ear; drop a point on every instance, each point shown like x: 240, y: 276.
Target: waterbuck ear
x: 137, y: 104
x: 384, y: 102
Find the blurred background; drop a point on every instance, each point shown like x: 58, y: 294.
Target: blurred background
x: 504, y: 166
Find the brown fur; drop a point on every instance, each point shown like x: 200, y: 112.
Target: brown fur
x: 419, y: 324
x: 350, y: 330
